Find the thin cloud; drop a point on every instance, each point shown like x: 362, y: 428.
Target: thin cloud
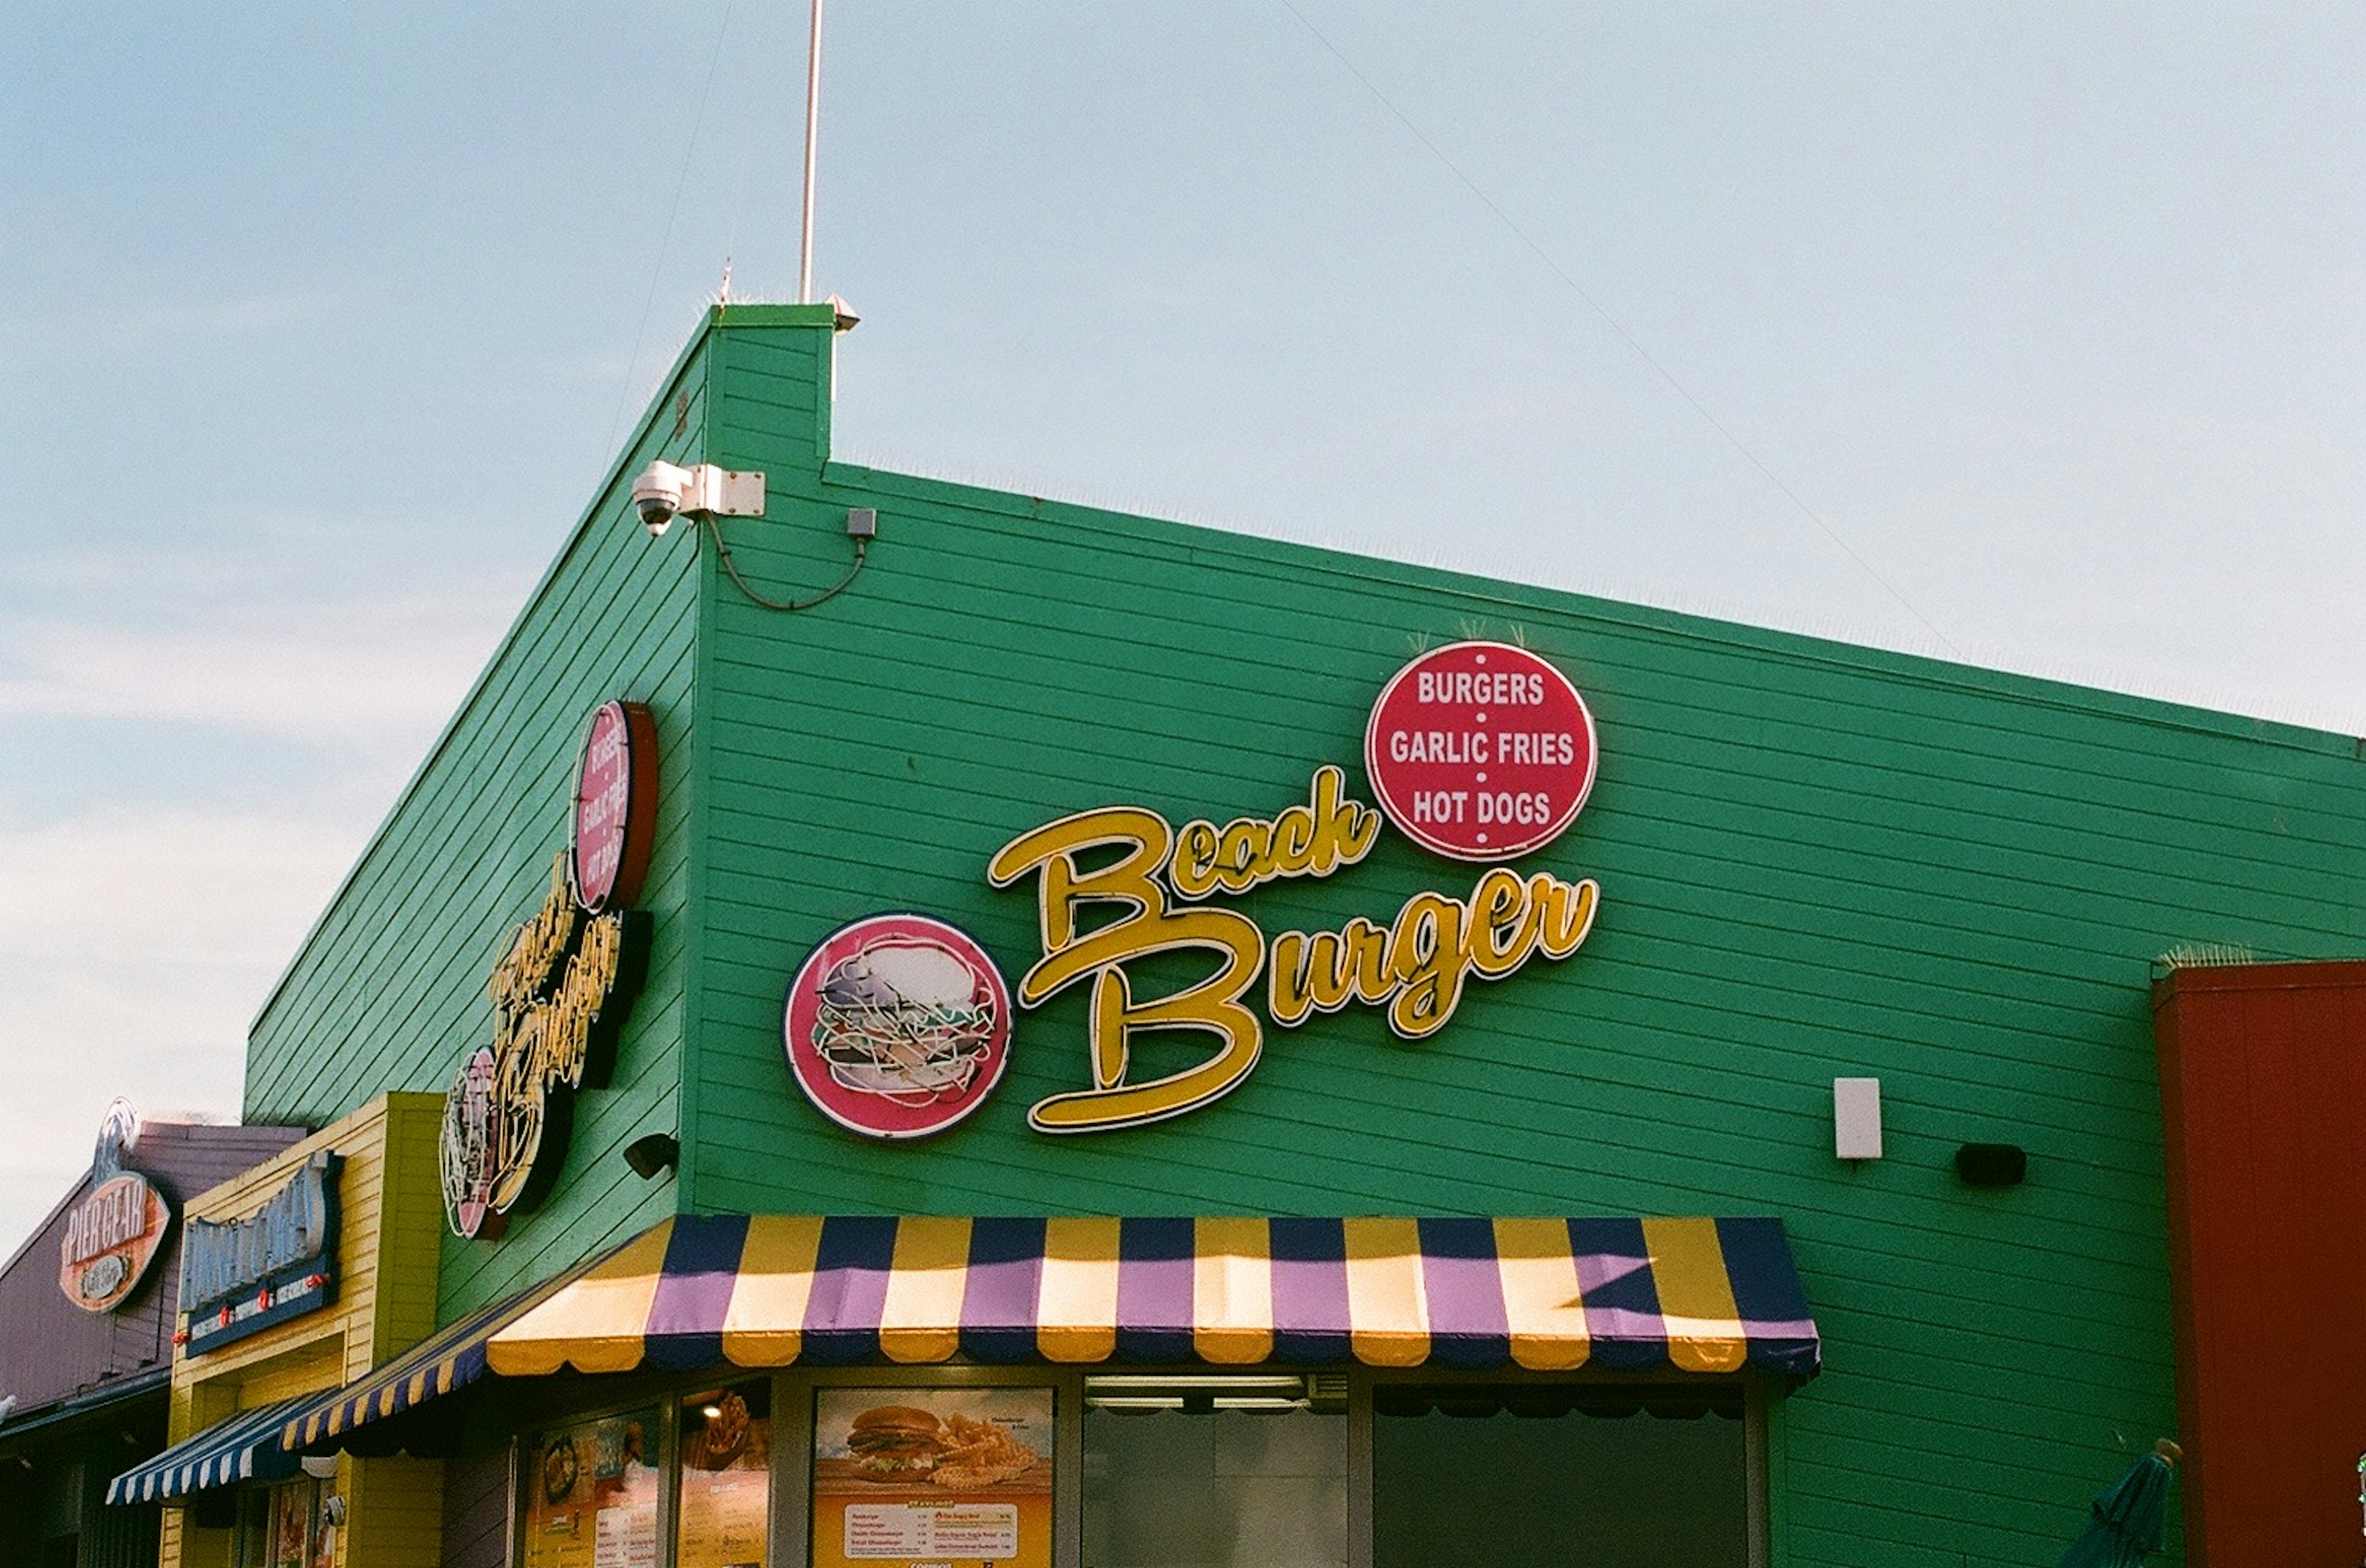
x: 130, y: 887
x: 134, y: 948
x: 141, y: 327
x: 374, y: 672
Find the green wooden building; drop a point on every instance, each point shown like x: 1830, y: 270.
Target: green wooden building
x: 1814, y: 862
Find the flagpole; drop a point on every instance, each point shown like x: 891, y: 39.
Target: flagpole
x: 812, y: 128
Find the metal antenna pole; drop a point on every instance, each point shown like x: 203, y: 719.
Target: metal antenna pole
x: 813, y: 129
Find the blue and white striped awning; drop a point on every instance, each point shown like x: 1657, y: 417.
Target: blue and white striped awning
x: 244, y: 1448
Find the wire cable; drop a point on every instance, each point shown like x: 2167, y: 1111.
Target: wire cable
x: 723, y: 551
x: 682, y: 184
x: 1644, y: 353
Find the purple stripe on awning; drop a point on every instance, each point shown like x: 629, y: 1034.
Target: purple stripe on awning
x: 1622, y: 1305
x: 1006, y: 1269
x: 693, y: 1293
x: 1766, y: 1293
x: 1309, y: 1291
x: 1468, y: 1324
x: 466, y: 1368
x: 1154, y: 1289
x: 850, y: 1288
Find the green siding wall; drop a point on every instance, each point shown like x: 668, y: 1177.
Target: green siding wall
x: 389, y: 989
x: 1816, y: 861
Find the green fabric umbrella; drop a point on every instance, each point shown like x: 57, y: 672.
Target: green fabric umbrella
x: 2129, y: 1517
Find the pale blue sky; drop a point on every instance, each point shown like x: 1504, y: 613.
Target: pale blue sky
x: 318, y: 324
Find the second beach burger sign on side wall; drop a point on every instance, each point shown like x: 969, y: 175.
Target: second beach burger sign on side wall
x: 565, y: 982
x: 1480, y: 753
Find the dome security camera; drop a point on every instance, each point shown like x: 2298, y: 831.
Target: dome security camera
x: 664, y: 491
x: 658, y: 493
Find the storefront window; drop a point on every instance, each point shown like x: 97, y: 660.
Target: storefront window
x: 591, y: 1493
x: 724, y: 1518
x: 1505, y: 1477
x: 284, y: 1526
x: 249, y: 1544
x: 932, y: 1474
x: 1215, y: 1472
x: 1198, y: 1469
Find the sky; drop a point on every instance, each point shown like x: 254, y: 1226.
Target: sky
x: 2028, y: 337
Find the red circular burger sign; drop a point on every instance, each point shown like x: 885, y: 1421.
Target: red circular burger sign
x: 1480, y: 751
x: 616, y: 806
x: 898, y: 1026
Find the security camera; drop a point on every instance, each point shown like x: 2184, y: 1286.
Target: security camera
x: 658, y: 493
x: 664, y: 491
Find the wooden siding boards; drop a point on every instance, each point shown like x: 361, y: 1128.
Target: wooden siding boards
x: 476, y: 1506
x: 385, y: 1300
x: 385, y: 1296
x: 1816, y: 860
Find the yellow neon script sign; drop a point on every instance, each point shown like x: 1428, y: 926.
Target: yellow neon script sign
x: 1415, y: 967
x: 561, y: 992
x: 549, y: 993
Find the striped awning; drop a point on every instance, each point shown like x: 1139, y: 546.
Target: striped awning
x: 1682, y: 1296
x: 449, y: 1360
x: 244, y: 1448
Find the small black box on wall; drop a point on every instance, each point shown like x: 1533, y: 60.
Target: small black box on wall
x: 1993, y: 1164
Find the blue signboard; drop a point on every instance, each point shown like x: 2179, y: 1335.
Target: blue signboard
x: 240, y: 1277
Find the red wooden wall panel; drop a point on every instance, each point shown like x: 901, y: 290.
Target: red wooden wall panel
x: 2263, y: 1100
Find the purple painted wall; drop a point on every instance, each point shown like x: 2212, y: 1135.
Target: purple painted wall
x: 50, y: 1349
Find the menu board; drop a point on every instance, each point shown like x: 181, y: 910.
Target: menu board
x: 591, y: 1493
x: 300, y: 1534
x: 290, y: 1527
x: 951, y: 1478
x: 725, y: 1518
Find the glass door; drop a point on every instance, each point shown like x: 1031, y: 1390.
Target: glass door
x: 1541, y: 1475
x: 1216, y: 1471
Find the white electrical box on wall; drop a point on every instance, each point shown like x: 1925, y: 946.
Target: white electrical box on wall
x: 1856, y: 1118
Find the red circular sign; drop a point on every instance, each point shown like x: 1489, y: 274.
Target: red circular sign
x: 898, y: 1026
x: 616, y: 806
x: 1480, y: 751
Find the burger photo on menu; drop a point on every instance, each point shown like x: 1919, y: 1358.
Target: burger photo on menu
x: 895, y: 1443
x: 938, y: 1441
x: 956, y: 1476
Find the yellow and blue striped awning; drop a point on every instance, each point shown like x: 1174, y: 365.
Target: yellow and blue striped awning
x: 1550, y: 1295
x: 1681, y: 1295
x: 244, y: 1448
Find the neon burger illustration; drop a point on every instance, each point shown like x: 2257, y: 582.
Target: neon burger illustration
x: 906, y: 1018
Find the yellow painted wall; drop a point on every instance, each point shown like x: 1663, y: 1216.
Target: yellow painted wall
x: 390, y: 1219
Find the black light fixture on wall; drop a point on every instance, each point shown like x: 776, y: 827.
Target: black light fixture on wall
x: 651, y: 1153
x: 1993, y: 1164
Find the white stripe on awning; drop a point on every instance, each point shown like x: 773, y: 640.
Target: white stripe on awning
x: 244, y: 1448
